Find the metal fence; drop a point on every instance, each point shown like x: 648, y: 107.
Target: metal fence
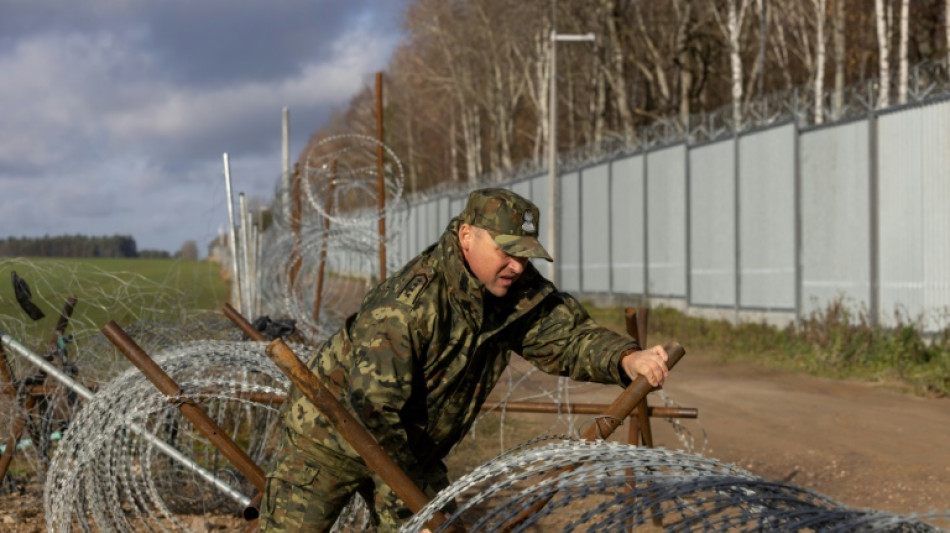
x: 783, y: 219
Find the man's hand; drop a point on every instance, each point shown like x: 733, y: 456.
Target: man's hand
x: 649, y: 363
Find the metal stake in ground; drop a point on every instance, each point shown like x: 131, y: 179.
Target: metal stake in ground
x: 203, y: 423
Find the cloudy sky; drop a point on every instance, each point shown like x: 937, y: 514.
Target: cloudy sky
x: 114, y: 114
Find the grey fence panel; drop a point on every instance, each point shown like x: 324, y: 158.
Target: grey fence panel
x: 432, y: 227
x: 936, y: 210
x: 522, y: 187
x: 412, y: 230
x: 568, y: 260
x: 627, y: 238
x: 539, y: 195
x: 767, y: 219
x: 595, y: 229
x: 422, y: 226
x: 900, y: 226
x: 666, y: 226
x: 445, y: 213
x: 402, y: 243
x: 835, y: 177
x: 744, y: 213
x: 914, y: 222
x: 712, y: 226
x: 457, y: 204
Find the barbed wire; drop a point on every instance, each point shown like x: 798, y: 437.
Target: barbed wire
x: 608, y: 486
x: 107, y: 471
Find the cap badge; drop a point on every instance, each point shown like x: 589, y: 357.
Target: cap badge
x: 528, y: 224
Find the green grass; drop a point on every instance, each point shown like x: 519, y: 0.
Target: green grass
x: 835, y: 342
x: 123, y: 290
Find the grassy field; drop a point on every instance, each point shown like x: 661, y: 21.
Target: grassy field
x: 123, y: 290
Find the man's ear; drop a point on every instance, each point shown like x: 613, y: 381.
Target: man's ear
x: 465, y: 236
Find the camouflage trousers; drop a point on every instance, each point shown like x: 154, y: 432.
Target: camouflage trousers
x: 311, y: 485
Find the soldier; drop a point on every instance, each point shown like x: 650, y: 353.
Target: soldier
x: 419, y: 358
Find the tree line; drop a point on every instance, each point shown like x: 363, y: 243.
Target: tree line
x: 74, y: 246
x: 467, y: 93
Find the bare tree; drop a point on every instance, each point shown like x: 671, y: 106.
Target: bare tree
x: 902, y: 54
x: 839, y: 53
x: 946, y: 30
x: 819, y: 6
x: 884, y: 68
x: 731, y: 27
x: 188, y: 251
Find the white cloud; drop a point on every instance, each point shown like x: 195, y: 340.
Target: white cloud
x: 104, y: 131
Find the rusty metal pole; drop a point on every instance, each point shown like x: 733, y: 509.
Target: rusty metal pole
x: 630, y: 320
x: 29, y: 401
x: 605, y: 425
x: 380, y: 178
x: 576, y: 408
x: 246, y: 327
x: 20, y: 422
x: 351, y: 430
x: 202, y: 422
x: 63, y: 321
x: 636, y: 321
x: 318, y: 296
x: 296, y: 256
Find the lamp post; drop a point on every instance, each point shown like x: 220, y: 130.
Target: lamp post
x: 552, y: 145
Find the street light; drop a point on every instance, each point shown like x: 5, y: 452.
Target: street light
x: 552, y: 144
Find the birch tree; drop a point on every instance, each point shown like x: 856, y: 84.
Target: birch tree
x: 839, y: 56
x: 819, y: 87
x: 883, y: 44
x: 731, y: 27
x: 902, y: 54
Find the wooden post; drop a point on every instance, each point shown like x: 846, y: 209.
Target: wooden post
x: 318, y: 296
x: 296, y: 255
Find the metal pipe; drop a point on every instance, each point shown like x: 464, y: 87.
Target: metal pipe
x: 86, y: 394
x: 245, y: 270
x: 350, y: 429
x: 45, y: 366
x: 578, y: 408
x: 202, y: 422
x: 232, y: 242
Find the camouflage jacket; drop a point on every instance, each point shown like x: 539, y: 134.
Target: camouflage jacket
x: 418, y: 360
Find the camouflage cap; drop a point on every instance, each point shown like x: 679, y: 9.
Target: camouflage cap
x: 511, y: 220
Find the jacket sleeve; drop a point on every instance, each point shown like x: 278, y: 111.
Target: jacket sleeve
x: 563, y: 339
x: 381, y: 376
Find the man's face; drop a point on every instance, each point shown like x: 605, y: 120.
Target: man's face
x: 493, y: 267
